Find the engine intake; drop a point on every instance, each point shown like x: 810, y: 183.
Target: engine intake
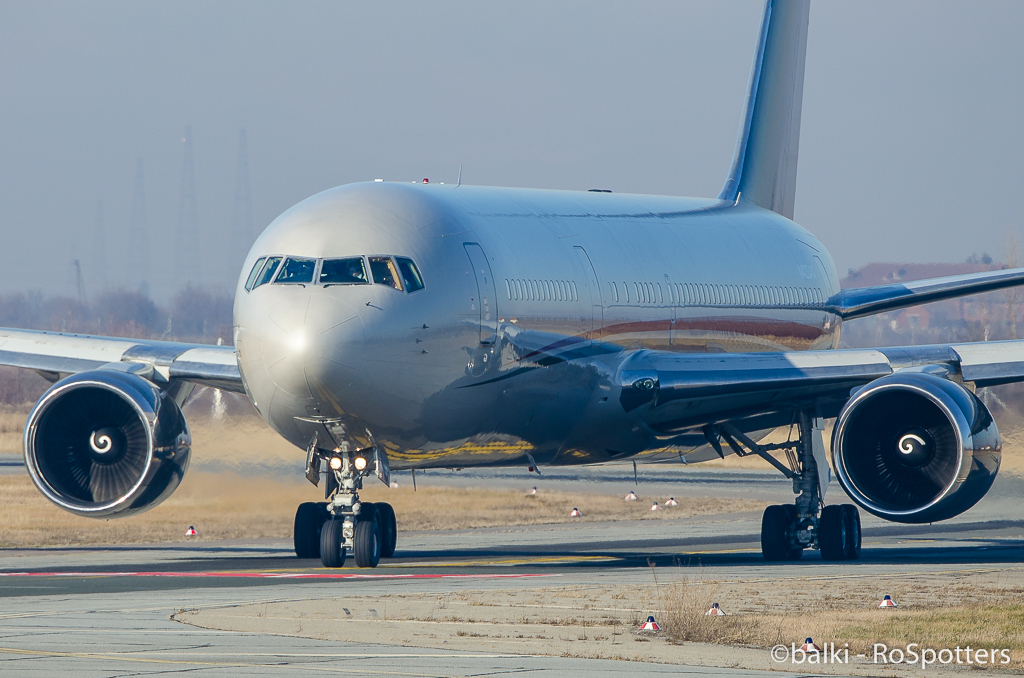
x: 106, y: 444
x: 915, y: 448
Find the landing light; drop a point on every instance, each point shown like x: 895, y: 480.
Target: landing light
x: 335, y: 463
x: 298, y: 342
x: 360, y: 463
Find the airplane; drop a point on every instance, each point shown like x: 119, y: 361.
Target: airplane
x: 390, y: 325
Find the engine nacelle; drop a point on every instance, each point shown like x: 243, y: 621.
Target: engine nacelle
x: 915, y: 448
x: 106, y: 444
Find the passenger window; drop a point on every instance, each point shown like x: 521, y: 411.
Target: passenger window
x: 296, y: 271
x: 255, y: 272
x: 268, y: 272
x: 410, y: 274
x: 575, y: 292
x: 349, y: 271
x: 384, y: 273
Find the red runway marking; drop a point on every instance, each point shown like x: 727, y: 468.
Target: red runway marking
x: 271, y: 575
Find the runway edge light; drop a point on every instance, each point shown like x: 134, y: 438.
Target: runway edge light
x: 810, y: 646
x: 655, y: 507
x: 575, y: 513
x: 650, y: 625
x: 887, y: 601
x: 715, y: 611
x: 191, y: 531
x: 671, y: 502
x: 631, y: 496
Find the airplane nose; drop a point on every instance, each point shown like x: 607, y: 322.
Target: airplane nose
x: 310, y: 341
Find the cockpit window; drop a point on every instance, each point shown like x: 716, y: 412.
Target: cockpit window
x: 410, y: 274
x: 296, y: 271
x: 256, y: 268
x: 343, y: 272
x: 268, y: 272
x: 384, y: 273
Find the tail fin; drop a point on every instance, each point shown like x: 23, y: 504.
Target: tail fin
x: 764, y: 168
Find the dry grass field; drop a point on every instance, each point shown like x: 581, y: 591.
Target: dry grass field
x: 982, y: 609
x: 227, y: 506
x: 968, y: 608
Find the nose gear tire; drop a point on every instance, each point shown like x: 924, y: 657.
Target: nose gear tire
x: 309, y: 519
x: 332, y: 544
x: 367, y: 542
x: 388, y: 529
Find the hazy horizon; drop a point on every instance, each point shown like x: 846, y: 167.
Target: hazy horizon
x: 909, y: 150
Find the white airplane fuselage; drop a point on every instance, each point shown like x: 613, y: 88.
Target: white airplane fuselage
x: 505, y: 354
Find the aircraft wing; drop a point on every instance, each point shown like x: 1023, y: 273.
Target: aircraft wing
x: 857, y: 302
x: 672, y: 392
x: 54, y: 354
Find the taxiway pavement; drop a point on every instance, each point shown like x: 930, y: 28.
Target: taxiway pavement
x: 105, y: 611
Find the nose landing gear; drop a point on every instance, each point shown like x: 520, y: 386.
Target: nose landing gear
x: 788, y: 529
x: 343, y: 524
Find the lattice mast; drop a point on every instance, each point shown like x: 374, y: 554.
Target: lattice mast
x: 187, y: 260
x: 138, y: 231
x: 241, y: 219
x: 99, y: 250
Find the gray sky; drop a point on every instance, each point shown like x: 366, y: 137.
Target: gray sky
x: 911, y: 143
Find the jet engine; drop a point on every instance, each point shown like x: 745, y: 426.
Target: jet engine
x: 106, y: 444
x: 914, y: 447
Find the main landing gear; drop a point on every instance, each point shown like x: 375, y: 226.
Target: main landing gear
x: 788, y: 529
x: 330, y: 530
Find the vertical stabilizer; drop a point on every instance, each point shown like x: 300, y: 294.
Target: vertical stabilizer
x: 764, y: 168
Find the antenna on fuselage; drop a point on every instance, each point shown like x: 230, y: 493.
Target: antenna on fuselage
x: 459, y: 182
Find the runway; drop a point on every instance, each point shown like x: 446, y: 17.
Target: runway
x: 105, y: 611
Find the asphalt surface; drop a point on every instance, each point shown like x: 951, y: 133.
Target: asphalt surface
x: 104, y: 611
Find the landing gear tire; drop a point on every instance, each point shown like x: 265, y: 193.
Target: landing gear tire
x: 332, y: 544
x: 832, y: 533
x: 851, y: 547
x: 309, y: 519
x: 388, y: 529
x: 839, y: 532
x: 367, y: 540
x: 776, y: 523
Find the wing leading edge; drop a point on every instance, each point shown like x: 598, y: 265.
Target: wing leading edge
x: 54, y: 354
x: 672, y: 392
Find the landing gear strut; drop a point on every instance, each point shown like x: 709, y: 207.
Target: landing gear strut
x: 788, y: 529
x: 343, y: 524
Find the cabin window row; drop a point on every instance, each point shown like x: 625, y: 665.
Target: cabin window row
x: 702, y: 294
x: 401, y: 273
x: 522, y: 289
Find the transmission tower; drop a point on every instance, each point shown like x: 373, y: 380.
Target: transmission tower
x: 187, y: 263
x: 79, y: 282
x: 99, y: 250
x: 138, y: 235
x: 241, y: 220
